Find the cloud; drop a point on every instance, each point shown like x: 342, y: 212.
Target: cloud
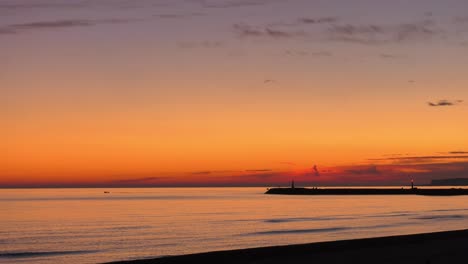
x: 381, y: 34
x: 316, y: 171
x: 179, y: 16
x: 53, y: 24
x: 202, y: 172
x: 458, y: 152
x: 57, y: 24
x: 259, y: 170
x: 244, y: 30
x: 364, y: 171
x: 32, y: 5
x: 320, y: 20
x: 67, y: 4
x: 231, y: 3
x: 420, y: 159
x: 7, y: 31
x: 301, y: 53
x: 445, y: 103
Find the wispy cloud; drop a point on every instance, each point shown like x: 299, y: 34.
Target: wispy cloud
x: 57, y: 24
x: 458, y: 152
x: 389, y: 56
x: 244, y: 30
x: 421, y: 159
x: 179, y: 16
x: 381, y: 34
x: 302, y: 53
x: 364, y: 171
x: 201, y: 172
x: 445, y: 103
x: 319, y: 20
x: 259, y: 170
x: 231, y: 3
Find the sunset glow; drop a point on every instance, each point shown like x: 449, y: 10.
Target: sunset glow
x: 199, y: 93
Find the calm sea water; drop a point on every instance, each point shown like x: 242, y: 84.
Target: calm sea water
x: 90, y: 226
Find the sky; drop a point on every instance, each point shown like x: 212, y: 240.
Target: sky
x: 232, y: 92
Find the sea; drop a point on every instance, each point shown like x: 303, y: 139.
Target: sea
x: 102, y: 225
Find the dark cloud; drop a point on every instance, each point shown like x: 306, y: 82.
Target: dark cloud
x: 208, y: 172
x: 53, y: 24
x: 202, y: 172
x: 458, y: 152
x: 179, y: 16
x: 364, y: 171
x: 445, y: 103
x: 231, y: 3
x: 244, y: 30
x: 57, y: 24
x: 31, y: 5
x: 420, y: 159
x: 247, y: 31
x: 66, y: 4
x: 298, y: 53
x: 442, y: 170
x: 301, y: 53
x: 7, y: 31
x: 321, y: 54
x: 259, y: 170
x: 320, y: 20
x: 316, y: 171
x: 381, y: 34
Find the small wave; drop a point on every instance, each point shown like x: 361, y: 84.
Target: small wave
x: 43, y: 253
x: 306, y: 219
x: 299, y: 231
x: 392, y: 214
x: 449, y: 210
x: 123, y: 228
x: 433, y: 217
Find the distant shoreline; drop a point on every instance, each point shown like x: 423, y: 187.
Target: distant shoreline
x: 368, y: 191
x: 426, y: 248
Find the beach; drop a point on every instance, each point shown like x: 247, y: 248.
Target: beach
x: 438, y: 247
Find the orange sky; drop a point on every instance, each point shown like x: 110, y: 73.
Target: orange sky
x: 134, y: 98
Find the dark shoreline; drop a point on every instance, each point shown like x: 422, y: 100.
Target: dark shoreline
x: 368, y: 191
x: 438, y: 247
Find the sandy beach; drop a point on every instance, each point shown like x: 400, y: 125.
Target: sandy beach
x: 440, y: 247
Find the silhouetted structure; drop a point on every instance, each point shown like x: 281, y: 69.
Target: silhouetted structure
x: 368, y: 191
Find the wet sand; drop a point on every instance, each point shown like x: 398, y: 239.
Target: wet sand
x: 440, y: 247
